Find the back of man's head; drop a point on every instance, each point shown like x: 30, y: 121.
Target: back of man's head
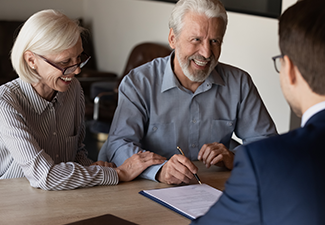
x: 302, y: 39
x: 210, y: 8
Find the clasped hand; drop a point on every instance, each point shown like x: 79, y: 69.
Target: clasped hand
x: 216, y: 154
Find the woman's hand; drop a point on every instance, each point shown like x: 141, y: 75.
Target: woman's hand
x: 136, y: 164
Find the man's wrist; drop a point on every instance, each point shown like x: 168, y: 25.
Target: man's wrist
x: 158, y: 175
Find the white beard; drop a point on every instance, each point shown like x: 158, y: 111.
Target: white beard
x: 199, y: 75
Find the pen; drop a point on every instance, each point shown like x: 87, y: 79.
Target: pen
x: 195, y: 175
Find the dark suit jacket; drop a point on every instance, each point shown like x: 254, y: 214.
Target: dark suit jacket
x: 279, y: 180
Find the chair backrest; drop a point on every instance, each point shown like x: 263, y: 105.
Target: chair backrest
x: 8, y: 33
x: 143, y: 53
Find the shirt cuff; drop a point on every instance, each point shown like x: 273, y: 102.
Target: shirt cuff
x: 151, y: 172
x: 110, y: 176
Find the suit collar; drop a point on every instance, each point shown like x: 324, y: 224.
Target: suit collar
x: 312, y: 111
x: 317, y: 117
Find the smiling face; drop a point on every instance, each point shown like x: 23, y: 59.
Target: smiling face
x: 197, y: 47
x: 52, y: 79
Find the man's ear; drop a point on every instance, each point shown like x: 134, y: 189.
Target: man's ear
x: 290, y: 70
x: 30, y: 59
x: 172, y: 38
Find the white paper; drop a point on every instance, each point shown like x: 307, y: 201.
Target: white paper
x: 193, y: 200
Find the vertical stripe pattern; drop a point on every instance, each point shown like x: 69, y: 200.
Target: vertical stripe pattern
x: 44, y: 140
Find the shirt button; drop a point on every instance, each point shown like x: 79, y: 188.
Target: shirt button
x: 57, y: 156
x: 54, y: 133
x: 154, y: 128
x: 230, y: 123
x: 193, y: 145
x: 194, y: 121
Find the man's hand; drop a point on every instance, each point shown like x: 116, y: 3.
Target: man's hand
x: 136, y: 164
x: 178, y: 169
x: 105, y: 164
x: 216, y: 154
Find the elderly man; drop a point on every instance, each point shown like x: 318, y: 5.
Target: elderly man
x: 187, y: 99
x: 280, y: 180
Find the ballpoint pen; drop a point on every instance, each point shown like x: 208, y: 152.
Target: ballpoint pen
x: 195, y: 175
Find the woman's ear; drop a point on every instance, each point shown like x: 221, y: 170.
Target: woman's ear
x: 172, y: 38
x: 30, y: 59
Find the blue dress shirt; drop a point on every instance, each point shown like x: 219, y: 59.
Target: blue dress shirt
x: 156, y: 113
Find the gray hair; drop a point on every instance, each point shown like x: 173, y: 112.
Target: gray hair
x: 45, y: 32
x: 210, y: 8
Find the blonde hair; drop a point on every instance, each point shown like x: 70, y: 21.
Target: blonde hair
x: 45, y: 32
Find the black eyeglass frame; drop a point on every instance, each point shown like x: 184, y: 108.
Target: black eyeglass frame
x: 69, y: 69
x: 275, y: 58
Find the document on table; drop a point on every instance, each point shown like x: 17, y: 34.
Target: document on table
x: 190, y: 201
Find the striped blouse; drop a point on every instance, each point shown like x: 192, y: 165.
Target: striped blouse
x: 43, y: 140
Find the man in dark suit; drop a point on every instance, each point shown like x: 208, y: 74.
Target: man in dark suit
x: 281, y: 180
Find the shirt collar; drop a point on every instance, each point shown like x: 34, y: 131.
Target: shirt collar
x: 312, y: 111
x: 37, y: 102
x: 170, y: 81
x: 215, y: 77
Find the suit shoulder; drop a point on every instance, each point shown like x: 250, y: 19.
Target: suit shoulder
x: 292, y: 142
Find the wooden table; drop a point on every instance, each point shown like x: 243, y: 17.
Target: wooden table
x: 22, y: 204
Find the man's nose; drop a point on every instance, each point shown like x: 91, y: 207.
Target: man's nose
x: 205, y: 49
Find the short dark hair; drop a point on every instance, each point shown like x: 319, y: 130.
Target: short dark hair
x: 302, y: 39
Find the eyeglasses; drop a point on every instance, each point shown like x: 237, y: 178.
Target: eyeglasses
x: 277, y: 62
x: 84, y: 58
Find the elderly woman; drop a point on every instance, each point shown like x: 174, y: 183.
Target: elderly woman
x: 42, y: 112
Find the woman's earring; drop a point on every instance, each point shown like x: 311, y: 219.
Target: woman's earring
x: 33, y: 67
